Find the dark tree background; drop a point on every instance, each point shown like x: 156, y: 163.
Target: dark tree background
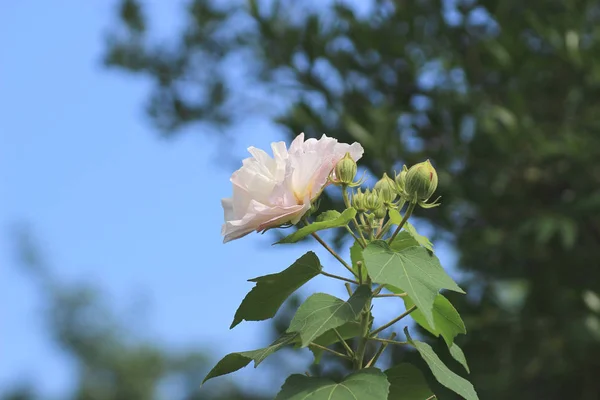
x: 501, y: 95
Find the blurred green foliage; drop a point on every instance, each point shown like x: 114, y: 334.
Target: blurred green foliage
x: 500, y: 95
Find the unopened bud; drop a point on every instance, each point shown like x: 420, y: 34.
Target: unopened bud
x: 387, y: 189
x: 345, y: 170
x: 372, y: 200
x: 401, y: 179
x: 421, y: 181
x: 358, y: 201
x: 381, y: 212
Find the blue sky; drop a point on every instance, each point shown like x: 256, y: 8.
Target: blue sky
x: 113, y: 203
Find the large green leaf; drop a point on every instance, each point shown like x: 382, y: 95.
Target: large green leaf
x: 396, y: 218
x: 341, y: 220
x: 407, y: 383
x: 356, y: 256
x: 414, y: 270
x: 322, y: 312
x: 263, y: 301
x: 459, y: 356
x: 448, y: 322
x: 444, y: 375
x: 234, y: 361
x: 366, y: 384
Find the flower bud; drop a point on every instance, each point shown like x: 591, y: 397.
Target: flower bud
x: 358, y: 201
x: 401, y: 179
x: 372, y: 200
x: 421, y: 181
x: 387, y: 189
x: 345, y: 170
x: 381, y: 212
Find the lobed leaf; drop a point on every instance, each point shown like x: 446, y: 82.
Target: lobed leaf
x: 413, y: 269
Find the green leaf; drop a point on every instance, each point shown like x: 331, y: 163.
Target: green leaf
x: 263, y: 301
x: 396, y: 218
x: 459, y: 356
x: 448, y: 322
x: 366, y: 384
x: 341, y: 220
x: 403, y: 241
x: 423, y: 241
x: 414, y: 270
x: 407, y: 383
x: 234, y: 361
x: 322, y: 312
x: 443, y: 375
x: 356, y: 255
x: 327, y: 215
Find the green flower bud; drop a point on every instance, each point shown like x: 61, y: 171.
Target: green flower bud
x: 421, y: 181
x: 401, y: 179
x: 380, y: 213
x: 345, y: 170
x: 372, y: 200
x: 358, y: 201
x: 387, y: 189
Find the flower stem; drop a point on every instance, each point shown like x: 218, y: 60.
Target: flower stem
x: 409, y: 211
x: 392, y: 322
x: 341, y: 278
x: 318, y: 346
x: 362, y: 242
x: 333, y: 253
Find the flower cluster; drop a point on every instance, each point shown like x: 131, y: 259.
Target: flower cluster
x: 269, y: 192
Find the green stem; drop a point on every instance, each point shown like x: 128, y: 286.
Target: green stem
x: 392, y: 322
x: 409, y: 211
x: 377, y: 290
x: 333, y: 253
x: 390, y: 295
x: 341, y: 278
x: 388, y: 341
x: 348, y: 288
x: 384, y: 230
x: 341, y: 339
x: 380, y: 351
x: 362, y: 344
x: 362, y: 242
x: 318, y: 346
x: 354, y: 236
